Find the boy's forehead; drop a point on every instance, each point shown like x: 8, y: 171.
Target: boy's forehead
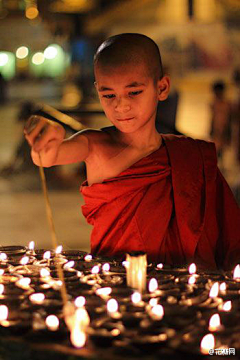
x: 125, y: 72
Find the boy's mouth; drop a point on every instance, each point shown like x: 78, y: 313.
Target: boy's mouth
x: 126, y: 119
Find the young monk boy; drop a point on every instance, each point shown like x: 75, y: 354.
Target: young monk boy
x: 144, y: 192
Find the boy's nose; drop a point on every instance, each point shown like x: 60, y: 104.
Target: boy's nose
x: 122, y: 104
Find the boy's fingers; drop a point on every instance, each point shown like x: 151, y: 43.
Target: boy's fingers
x: 31, y: 124
x: 42, y: 139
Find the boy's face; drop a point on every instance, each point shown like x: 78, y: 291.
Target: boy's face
x: 129, y: 96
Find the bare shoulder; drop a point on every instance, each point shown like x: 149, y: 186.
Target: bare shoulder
x: 97, y: 137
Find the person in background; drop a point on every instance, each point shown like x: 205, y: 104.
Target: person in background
x: 3, y: 89
x: 145, y: 191
x: 220, y: 118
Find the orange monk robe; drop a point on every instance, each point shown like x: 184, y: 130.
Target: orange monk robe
x: 173, y: 204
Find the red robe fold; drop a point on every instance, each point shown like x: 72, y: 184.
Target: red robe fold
x: 173, y: 204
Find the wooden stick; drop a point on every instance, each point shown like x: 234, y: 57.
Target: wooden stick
x: 52, y: 229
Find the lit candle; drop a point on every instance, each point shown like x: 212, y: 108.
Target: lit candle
x: 112, y: 308
x: 46, y: 256
x: 214, y: 290
x: 3, y: 312
x: 236, y: 273
x: 88, y: 258
x: 58, y: 250
x: 192, y: 269
x: 52, y: 322
x: 156, y: 312
x: 37, y: 298
x: 31, y: 246
x: 207, y: 343
x: 137, y: 271
x: 106, y: 268
x: 23, y: 283
x: 69, y: 265
x: 153, y: 285
x: 104, y: 292
x: 80, y: 301
x: 3, y: 257
x: 215, y: 323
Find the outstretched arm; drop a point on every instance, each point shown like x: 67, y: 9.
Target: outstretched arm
x: 47, y: 139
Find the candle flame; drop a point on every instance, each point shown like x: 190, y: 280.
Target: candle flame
x: 104, y: 292
x: 80, y: 301
x: 153, y: 302
x: 44, y: 272
x: 78, y: 322
x: 227, y: 306
x: 47, y: 255
x: 1, y: 272
x: 37, y: 298
x: 3, y: 312
x: 157, y: 312
x: 112, y: 306
x: 78, y: 337
x: 207, y: 343
x: 106, y: 267
x: 24, y: 260
x: 192, y: 280
x: 236, y: 272
x: 24, y: 283
x: 214, y: 290
x: 192, y: 269
x: 136, y: 297
x: 58, y: 249
x: 31, y: 245
x: 52, y: 322
x: 125, y: 263
x: 1, y: 289
x: 214, y: 322
x: 3, y: 256
x: 95, y: 269
x: 88, y: 258
x: 69, y: 265
x: 153, y: 285
x: 160, y: 266
x: 223, y: 286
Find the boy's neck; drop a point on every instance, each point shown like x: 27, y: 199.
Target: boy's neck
x: 150, y: 141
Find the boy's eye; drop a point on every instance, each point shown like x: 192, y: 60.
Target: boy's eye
x: 135, y: 92
x: 109, y: 96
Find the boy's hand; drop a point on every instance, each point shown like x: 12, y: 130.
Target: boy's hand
x: 45, y: 137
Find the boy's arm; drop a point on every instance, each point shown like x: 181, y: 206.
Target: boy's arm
x: 46, y: 138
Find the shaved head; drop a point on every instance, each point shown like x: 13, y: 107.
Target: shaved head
x: 130, y: 49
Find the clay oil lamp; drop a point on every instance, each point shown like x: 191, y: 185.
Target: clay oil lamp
x: 75, y: 255
x: 213, y: 300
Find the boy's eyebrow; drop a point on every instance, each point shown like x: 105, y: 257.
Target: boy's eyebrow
x: 133, y: 84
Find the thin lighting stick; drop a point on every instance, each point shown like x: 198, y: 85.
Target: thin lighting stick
x: 52, y: 230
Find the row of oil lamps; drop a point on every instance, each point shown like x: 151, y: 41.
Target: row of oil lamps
x: 143, y: 300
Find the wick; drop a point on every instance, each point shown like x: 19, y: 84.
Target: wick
x: 52, y: 229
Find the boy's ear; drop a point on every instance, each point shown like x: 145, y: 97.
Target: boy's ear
x: 163, y: 88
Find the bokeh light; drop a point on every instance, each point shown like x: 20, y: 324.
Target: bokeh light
x: 3, y: 59
x: 22, y: 52
x: 38, y: 58
x: 50, y: 52
x: 31, y: 12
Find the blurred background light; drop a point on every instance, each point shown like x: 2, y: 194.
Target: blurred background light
x: 3, y: 59
x: 22, y: 52
x: 50, y: 52
x: 38, y: 58
x: 31, y: 12
x: 7, y: 64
